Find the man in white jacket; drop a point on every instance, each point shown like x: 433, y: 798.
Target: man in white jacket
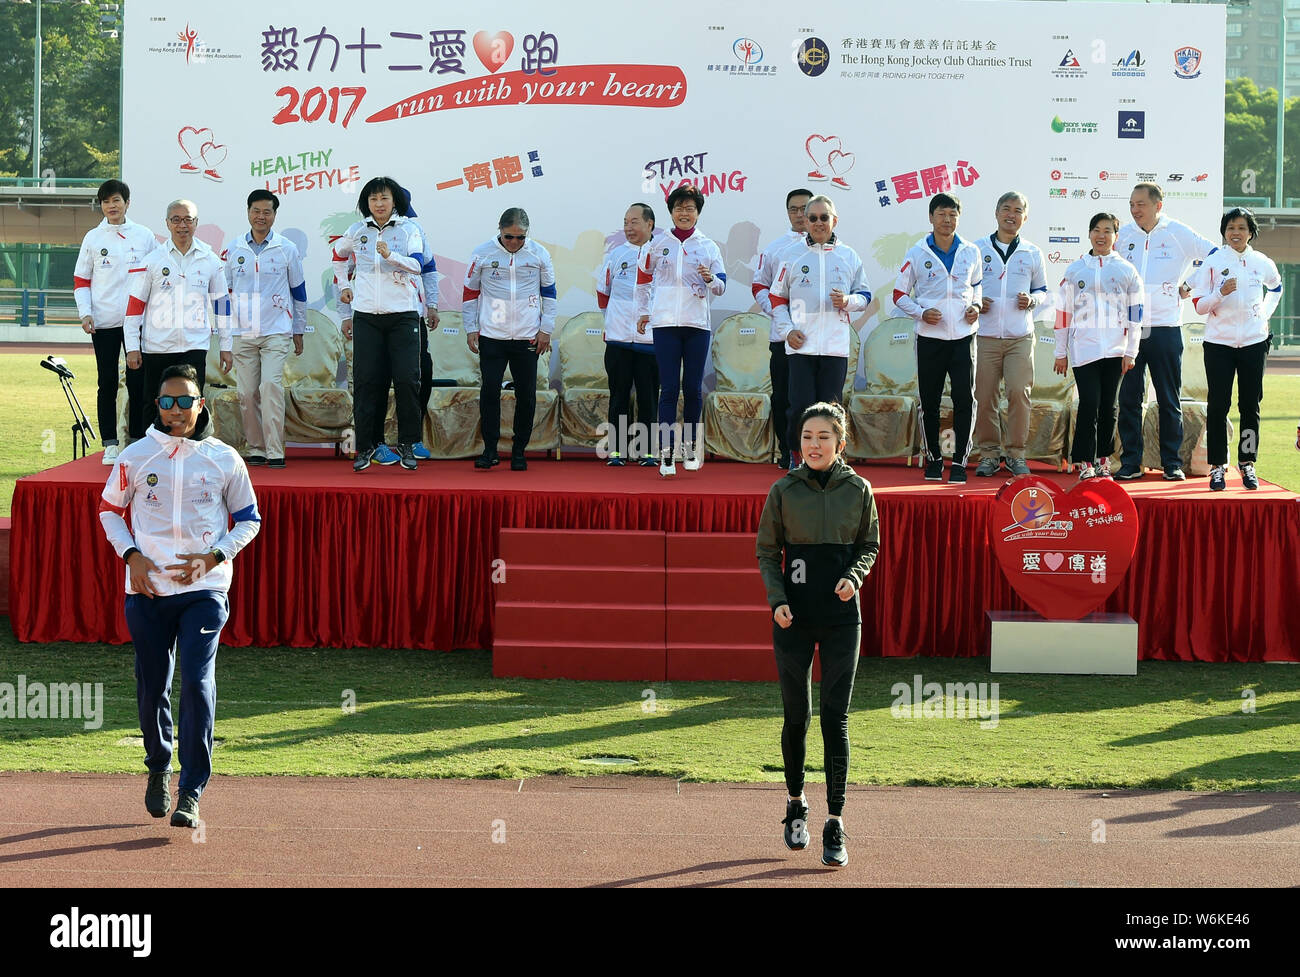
x: 167, y: 314
x: 191, y: 509
x: 1164, y: 251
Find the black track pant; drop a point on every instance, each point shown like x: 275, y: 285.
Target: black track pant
x: 839, y: 659
x: 1221, y: 364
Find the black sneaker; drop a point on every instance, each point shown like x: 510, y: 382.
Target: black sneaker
x: 408, y: 457
x: 648, y: 461
x: 488, y: 459
x: 1217, y: 480
x: 833, y: 851
x: 1128, y: 474
x: 957, y: 475
x: 934, y: 470
x: 157, y: 798
x: 1174, y: 474
x: 796, y: 825
x: 518, y: 463
x: 1249, y: 479
x: 186, y: 814
x: 363, y: 460
x: 255, y: 460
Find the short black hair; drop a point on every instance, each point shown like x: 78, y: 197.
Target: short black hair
x: 686, y: 192
x: 944, y: 200
x: 801, y: 192
x: 378, y: 184
x: 647, y: 212
x: 1243, y: 213
x: 512, y: 216
x: 1154, y: 193
x: 1103, y: 216
x: 263, y: 194
x: 181, y: 371
x: 112, y: 188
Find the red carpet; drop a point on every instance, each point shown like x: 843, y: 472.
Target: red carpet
x: 389, y: 558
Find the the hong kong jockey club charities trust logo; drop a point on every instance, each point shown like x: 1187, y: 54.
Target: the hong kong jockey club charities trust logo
x: 813, y: 56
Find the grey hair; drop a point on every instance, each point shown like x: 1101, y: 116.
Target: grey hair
x: 513, y: 216
x: 821, y: 198
x: 1012, y: 195
x: 182, y: 202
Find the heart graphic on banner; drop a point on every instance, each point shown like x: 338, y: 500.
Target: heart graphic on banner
x: 840, y: 163
x: 191, y: 141
x: 1064, y: 552
x: 213, y: 154
x: 493, y: 49
x: 819, y: 149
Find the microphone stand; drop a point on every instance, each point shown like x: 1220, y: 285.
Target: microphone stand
x: 80, y: 422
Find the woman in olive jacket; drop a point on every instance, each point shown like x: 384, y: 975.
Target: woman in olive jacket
x: 822, y: 518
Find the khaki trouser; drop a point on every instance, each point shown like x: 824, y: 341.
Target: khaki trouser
x: 1012, y: 360
x: 259, y: 369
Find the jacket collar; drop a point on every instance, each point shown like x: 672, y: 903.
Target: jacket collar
x: 202, y: 431
x: 840, y: 471
x: 828, y: 246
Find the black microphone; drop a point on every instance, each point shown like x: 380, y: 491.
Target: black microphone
x: 59, y: 366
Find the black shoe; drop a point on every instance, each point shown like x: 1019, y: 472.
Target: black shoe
x: 518, y: 463
x: 934, y: 470
x: 488, y: 459
x: 363, y: 460
x: 1174, y: 474
x: 255, y: 460
x: 796, y: 825
x: 1217, y: 481
x: 186, y: 814
x: 616, y: 461
x: 833, y: 851
x: 1249, y: 480
x: 275, y: 463
x: 1127, y: 474
x: 408, y: 457
x: 957, y: 475
x: 157, y: 798
x: 649, y: 461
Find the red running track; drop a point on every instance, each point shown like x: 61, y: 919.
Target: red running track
x: 390, y: 558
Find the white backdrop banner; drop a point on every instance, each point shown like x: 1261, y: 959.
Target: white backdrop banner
x: 577, y: 111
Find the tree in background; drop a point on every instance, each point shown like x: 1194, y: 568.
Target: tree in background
x: 1250, y: 138
x: 80, y: 90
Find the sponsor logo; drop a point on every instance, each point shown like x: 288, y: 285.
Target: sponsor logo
x: 813, y: 57
x: 1132, y: 65
x: 1111, y: 175
x: 1202, y: 177
x: 151, y: 479
x: 1132, y: 125
x: 1069, y: 67
x: 1175, y: 177
x: 1056, y: 176
x: 1059, y: 125
x: 1058, y: 192
x: 747, y: 50
x: 1187, y: 62
x: 1145, y: 177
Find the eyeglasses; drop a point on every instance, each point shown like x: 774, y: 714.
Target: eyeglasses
x: 182, y: 220
x: 184, y: 402
x: 514, y: 237
x: 820, y: 218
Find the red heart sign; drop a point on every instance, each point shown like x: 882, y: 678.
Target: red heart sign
x: 1064, y: 552
x: 493, y: 49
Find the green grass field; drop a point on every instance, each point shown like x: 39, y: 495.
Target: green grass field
x: 35, y: 421
x: 428, y: 714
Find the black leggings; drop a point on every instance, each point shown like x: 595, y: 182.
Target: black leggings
x: 108, y: 351
x: 1221, y: 364
x: 1098, y: 384
x: 840, y: 645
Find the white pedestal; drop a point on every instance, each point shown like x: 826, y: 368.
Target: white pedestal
x: 1099, y: 644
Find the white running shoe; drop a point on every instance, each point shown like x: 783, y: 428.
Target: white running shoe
x: 1103, y: 468
x: 667, y: 465
x: 110, y: 454
x: 694, y: 457
x: 1086, y: 471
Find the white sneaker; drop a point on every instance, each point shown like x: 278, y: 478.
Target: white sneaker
x: 1103, y: 468
x: 694, y: 457
x: 667, y: 465
x: 110, y: 454
x: 1086, y: 471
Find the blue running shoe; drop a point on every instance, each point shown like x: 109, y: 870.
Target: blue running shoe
x: 385, y: 455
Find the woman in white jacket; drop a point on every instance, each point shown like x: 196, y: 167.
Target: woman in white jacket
x: 814, y: 292
x: 1098, y: 329
x: 675, y: 274
x: 1236, y: 289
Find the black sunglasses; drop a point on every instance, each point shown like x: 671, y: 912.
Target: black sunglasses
x: 514, y: 237
x: 820, y: 218
x: 184, y: 401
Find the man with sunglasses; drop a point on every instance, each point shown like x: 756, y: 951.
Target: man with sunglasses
x: 167, y: 313
x: 192, y: 509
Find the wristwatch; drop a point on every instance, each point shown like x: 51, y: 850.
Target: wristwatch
x: 218, y: 555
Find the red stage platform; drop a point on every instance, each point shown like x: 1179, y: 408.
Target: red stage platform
x: 389, y: 558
